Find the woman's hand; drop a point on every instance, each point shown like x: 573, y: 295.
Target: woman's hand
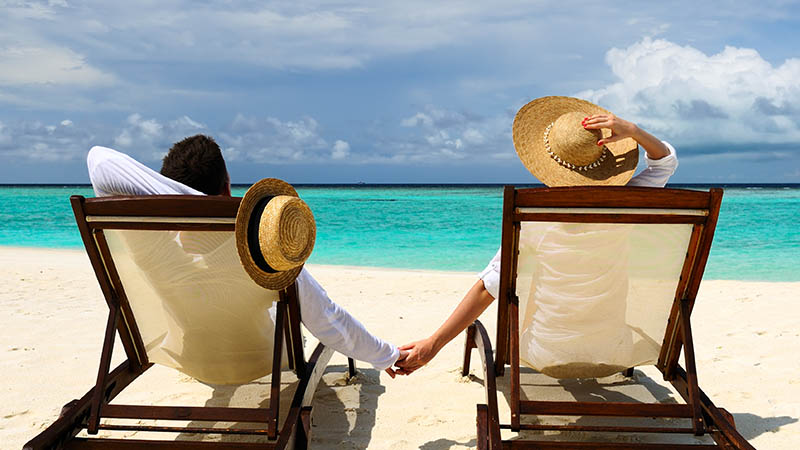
x: 620, y: 128
x: 391, y: 371
x: 419, y: 353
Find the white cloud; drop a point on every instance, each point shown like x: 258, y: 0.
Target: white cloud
x: 473, y: 136
x: 29, y: 65
x: 124, y: 139
x: 40, y: 141
x: 275, y: 141
x: 447, y: 135
x: 5, y: 137
x: 416, y: 120
x: 150, y: 139
x: 188, y: 123
x: 231, y: 154
x: 734, y: 96
x: 149, y: 128
x: 340, y: 150
x: 29, y: 10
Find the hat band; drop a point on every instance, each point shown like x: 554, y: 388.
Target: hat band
x: 253, y: 244
x: 566, y: 164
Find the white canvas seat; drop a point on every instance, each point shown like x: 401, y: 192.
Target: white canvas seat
x: 197, y: 310
x: 595, y: 298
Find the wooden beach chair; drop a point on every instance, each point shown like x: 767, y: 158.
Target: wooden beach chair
x: 658, y: 241
x: 178, y: 296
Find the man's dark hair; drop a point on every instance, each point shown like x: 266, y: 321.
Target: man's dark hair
x: 197, y: 162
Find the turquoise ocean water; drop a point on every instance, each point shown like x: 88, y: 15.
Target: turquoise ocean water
x: 450, y: 227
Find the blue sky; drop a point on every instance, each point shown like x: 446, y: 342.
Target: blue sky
x: 411, y: 91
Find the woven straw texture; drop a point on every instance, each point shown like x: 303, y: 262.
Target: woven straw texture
x: 291, y: 243
x: 572, y: 143
x: 286, y: 233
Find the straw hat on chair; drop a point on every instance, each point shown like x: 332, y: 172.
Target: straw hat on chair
x: 275, y: 233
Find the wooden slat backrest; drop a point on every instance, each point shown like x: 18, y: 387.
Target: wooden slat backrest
x: 163, y: 205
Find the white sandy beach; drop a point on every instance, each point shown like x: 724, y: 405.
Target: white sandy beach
x: 747, y: 337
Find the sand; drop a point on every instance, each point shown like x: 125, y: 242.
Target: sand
x: 53, y: 315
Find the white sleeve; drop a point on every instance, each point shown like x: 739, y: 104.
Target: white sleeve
x: 658, y: 171
x: 336, y: 328
x: 115, y: 173
x: 491, y: 275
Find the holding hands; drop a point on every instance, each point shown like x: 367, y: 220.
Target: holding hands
x: 392, y: 371
x: 418, y: 354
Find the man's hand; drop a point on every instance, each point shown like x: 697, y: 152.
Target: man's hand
x: 402, y: 357
x: 419, y: 353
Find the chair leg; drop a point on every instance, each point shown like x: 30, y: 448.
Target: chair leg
x: 468, y: 346
x: 628, y: 372
x: 483, y: 425
x: 351, y: 368
x: 691, y: 370
x: 484, y: 346
x: 99, y: 396
x: 304, y: 429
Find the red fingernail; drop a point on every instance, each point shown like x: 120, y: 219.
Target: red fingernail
x: 599, y: 143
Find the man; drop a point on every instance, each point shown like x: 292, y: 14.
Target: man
x: 195, y: 166
x: 559, y: 141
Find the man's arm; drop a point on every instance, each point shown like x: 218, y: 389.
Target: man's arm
x: 115, y: 173
x: 338, y: 329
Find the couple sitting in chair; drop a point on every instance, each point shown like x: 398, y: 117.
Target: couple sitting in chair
x: 575, y: 261
x: 195, y: 166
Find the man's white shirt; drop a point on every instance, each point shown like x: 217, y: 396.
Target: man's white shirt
x: 115, y: 173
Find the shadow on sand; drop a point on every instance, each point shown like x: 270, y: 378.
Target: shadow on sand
x: 346, y: 427
x: 617, y: 388
x: 330, y: 417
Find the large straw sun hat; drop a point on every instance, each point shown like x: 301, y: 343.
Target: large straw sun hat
x: 553, y: 145
x: 275, y: 233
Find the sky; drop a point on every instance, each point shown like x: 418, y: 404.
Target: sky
x: 392, y: 92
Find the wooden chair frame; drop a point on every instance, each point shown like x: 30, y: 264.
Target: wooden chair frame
x: 552, y: 205
x: 95, y: 215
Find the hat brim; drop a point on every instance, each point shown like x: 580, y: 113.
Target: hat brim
x: 528, y: 131
x: 268, y: 187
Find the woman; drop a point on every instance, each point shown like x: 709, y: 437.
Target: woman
x: 563, y: 142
